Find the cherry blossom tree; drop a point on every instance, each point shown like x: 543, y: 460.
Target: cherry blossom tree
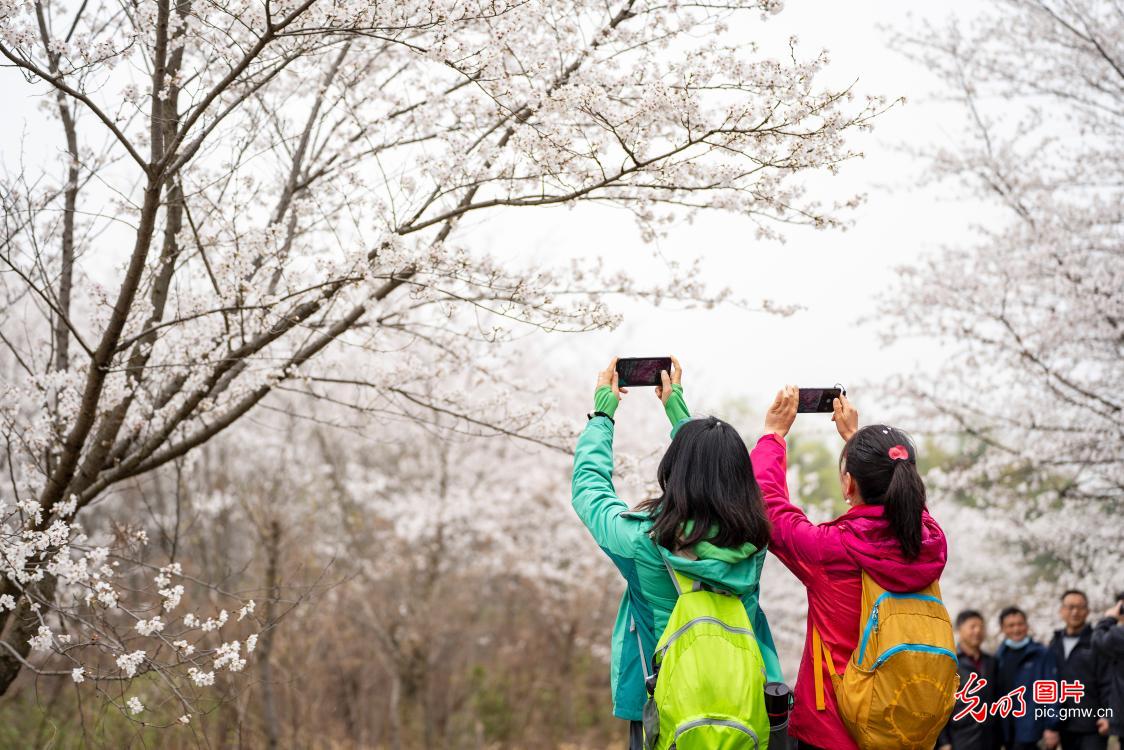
x: 252, y: 202
x: 442, y: 531
x: 1032, y: 312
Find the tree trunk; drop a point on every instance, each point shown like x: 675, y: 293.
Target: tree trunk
x: 394, y: 712
x: 21, y: 625
x: 265, y: 663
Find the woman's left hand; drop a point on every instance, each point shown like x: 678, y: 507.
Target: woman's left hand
x: 845, y: 416
x: 781, y: 415
x: 663, y: 391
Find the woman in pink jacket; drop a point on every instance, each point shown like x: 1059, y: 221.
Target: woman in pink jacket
x: 887, y: 532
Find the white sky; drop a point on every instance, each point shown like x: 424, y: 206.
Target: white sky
x: 839, y: 277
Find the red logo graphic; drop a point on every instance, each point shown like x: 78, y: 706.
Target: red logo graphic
x: 1044, y: 692
x: 973, y: 704
x: 1073, y: 690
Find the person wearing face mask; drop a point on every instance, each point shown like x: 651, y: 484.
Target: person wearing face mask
x: 1022, y: 660
x: 968, y: 733
x: 1078, y: 662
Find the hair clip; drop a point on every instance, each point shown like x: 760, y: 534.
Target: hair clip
x: 899, y: 452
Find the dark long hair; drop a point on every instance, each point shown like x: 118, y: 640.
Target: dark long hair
x: 885, y: 481
x: 706, y: 477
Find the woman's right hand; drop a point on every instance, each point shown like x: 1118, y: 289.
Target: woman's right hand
x: 845, y: 416
x: 609, y: 377
x: 781, y: 415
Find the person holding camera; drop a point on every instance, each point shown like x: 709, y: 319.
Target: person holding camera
x: 1078, y: 662
x: 706, y: 530
x: 887, y: 534
x: 1108, y: 643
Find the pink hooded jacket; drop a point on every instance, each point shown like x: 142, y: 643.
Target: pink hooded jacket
x: 829, y: 558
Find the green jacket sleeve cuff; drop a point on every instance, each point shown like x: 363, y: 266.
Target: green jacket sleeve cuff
x: 605, y: 400
x: 676, y: 408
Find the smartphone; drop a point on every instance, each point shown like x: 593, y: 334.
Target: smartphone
x: 818, y: 400
x: 634, y: 371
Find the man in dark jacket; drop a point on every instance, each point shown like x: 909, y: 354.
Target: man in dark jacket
x: 1022, y: 660
x: 969, y: 733
x: 1108, y: 643
x: 1073, y: 649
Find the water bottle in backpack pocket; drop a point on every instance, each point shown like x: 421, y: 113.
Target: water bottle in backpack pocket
x: 778, y: 705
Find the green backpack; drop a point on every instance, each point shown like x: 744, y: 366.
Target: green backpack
x: 707, y: 686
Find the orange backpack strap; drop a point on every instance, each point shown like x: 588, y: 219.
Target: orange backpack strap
x: 820, y: 652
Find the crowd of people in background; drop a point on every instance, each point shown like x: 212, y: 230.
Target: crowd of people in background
x: 1079, y: 701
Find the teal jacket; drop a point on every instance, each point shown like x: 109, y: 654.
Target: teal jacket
x: 650, y: 596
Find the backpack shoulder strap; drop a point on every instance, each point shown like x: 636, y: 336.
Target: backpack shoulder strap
x: 820, y: 651
x: 640, y: 649
x: 681, y: 581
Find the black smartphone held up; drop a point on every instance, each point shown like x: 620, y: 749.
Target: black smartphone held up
x: 818, y: 400
x: 634, y: 371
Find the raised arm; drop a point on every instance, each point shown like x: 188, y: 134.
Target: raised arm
x: 800, y: 544
x: 594, y: 497
x: 592, y: 492
x: 794, y: 539
x: 670, y: 392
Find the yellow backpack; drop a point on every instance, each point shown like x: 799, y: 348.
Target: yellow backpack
x: 899, y: 687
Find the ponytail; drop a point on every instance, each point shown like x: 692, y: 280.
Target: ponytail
x: 904, y: 501
x: 887, y: 475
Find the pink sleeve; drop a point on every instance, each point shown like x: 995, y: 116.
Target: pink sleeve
x: 796, y: 541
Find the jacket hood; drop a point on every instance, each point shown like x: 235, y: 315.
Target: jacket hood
x: 740, y: 578
x: 705, y: 549
x: 871, y: 543
x: 733, y: 569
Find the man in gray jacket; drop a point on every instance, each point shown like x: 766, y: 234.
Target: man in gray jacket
x: 1078, y: 662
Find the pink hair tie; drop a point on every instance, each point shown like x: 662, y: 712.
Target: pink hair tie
x: 899, y: 452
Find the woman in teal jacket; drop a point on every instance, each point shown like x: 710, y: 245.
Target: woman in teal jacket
x: 709, y: 522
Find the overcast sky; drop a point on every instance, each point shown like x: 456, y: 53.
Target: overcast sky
x: 838, y: 277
